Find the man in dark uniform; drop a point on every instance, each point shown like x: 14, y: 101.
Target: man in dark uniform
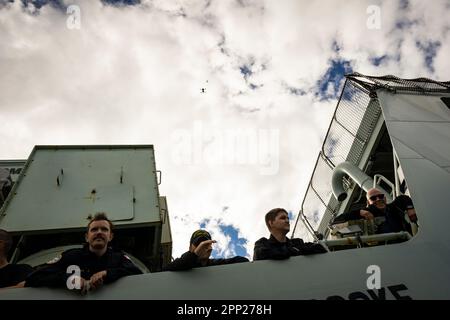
x: 97, y: 263
x: 394, y: 212
x: 11, y: 275
x: 198, y: 255
x: 278, y: 246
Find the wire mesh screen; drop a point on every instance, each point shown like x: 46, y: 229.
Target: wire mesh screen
x: 352, y: 125
x: 318, y: 200
x: 393, y: 83
x: 348, y: 133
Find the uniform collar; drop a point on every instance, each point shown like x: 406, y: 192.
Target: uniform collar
x: 89, y: 252
x: 274, y: 240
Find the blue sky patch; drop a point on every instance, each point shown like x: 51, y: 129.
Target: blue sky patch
x: 429, y: 50
x: 330, y: 146
x: 404, y: 4
x: 253, y: 86
x: 335, y: 46
x: 40, y: 3
x: 376, y: 61
x: 405, y: 23
x: 119, y: 3
x: 316, y: 217
x: 236, y: 244
x: 330, y: 84
x: 246, y: 70
x: 349, y: 93
x: 203, y: 223
x: 290, y: 215
x: 59, y: 4
x: 296, y: 91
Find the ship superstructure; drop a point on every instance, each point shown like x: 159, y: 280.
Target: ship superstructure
x: 385, y: 131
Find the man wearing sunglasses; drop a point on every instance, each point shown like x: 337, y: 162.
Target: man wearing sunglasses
x: 394, y: 212
x: 200, y: 249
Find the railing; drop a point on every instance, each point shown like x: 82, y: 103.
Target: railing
x: 360, y: 241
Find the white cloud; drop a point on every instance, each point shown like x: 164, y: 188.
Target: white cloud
x: 134, y: 75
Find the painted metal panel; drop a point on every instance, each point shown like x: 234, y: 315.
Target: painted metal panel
x: 422, y: 145
x: 304, y: 277
x: 61, y: 186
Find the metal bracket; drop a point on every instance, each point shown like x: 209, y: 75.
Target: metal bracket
x: 59, y: 178
x: 159, y: 177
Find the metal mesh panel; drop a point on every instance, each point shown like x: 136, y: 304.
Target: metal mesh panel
x: 352, y: 125
x: 348, y: 132
x: 317, y: 201
x: 330, y: 213
x: 393, y: 83
x: 337, y: 144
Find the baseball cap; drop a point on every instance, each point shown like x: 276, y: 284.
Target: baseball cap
x: 200, y: 236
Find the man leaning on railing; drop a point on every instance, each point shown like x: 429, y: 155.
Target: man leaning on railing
x: 394, y: 212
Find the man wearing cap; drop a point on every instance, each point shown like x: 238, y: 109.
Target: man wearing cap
x: 394, y: 212
x: 278, y: 246
x: 198, y: 255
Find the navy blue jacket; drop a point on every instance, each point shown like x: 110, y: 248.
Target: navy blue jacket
x: 394, y: 214
x: 273, y: 249
x: 12, y: 274
x: 190, y: 260
x: 116, y: 264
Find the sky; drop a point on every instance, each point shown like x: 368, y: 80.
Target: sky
x: 235, y: 96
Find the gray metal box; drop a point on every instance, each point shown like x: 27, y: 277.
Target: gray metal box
x: 61, y: 186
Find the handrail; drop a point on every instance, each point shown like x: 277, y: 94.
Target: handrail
x: 358, y: 176
x: 379, y: 177
x: 356, y: 240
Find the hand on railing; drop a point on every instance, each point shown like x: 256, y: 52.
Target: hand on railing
x: 366, y: 214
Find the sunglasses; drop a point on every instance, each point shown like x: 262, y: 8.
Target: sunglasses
x: 377, y: 196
